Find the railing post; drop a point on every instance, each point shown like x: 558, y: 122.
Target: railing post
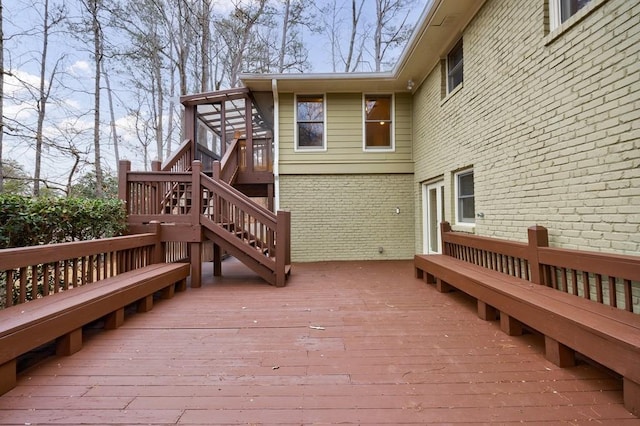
x: 283, y: 246
x: 538, y: 237
x: 216, y: 170
x: 124, y: 166
x: 158, y: 249
x: 196, y: 192
x: 196, y: 209
x: 249, y: 132
x: 190, y: 129
x: 156, y: 166
x: 444, y: 228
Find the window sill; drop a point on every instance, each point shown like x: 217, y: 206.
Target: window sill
x: 369, y: 150
x: 573, y: 21
x: 309, y: 150
x: 464, y: 227
x: 451, y: 94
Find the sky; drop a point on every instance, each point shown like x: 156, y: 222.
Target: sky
x: 69, y: 112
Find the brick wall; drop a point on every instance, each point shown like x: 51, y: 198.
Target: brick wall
x: 349, y: 217
x: 549, y: 122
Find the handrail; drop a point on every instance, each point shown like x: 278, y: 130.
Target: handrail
x: 148, y: 193
x: 17, y: 257
x: 177, y: 155
x: 229, y: 163
x: 206, y: 156
x: 605, y: 278
x: 495, y: 245
x: 28, y: 273
x: 231, y: 194
x: 607, y: 264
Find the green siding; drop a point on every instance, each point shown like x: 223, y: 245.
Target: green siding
x: 345, y: 138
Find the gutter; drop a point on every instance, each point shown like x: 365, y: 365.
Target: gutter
x: 276, y: 145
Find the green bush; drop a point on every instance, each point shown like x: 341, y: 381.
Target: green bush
x: 27, y: 221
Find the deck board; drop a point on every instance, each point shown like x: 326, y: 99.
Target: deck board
x: 344, y: 342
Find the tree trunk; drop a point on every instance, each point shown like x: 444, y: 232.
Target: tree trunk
x: 356, y: 12
x: 97, y: 51
x: 1, y: 99
x: 114, y: 133
x: 377, y: 39
x: 285, y: 29
x: 42, y: 101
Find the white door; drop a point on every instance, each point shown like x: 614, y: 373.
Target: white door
x: 432, y: 215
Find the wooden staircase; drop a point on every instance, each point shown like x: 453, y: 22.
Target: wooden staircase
x: 194, y: 208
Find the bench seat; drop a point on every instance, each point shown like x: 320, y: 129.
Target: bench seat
x: 61, y: 316
x: 570, y: 324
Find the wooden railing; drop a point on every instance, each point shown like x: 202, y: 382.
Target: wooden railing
x: 152, y: 196
x: 262, y: 161
x: 260, y: 233
x: 227, y: 168
x: 206, y: 157
x: 504, y: 256
x: 186, y: 201
x: 605, y: 278
x: 181, y: 159
x: 28, y: 273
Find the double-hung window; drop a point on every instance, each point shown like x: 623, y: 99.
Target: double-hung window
x: 455, y: 61
x: 465, y: 198
x: 310, y: 123
x: 561, y: 10
x: 378, y: 122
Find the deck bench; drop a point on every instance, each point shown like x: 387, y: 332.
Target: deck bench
x: 61, y: 316
x: 570, y: 324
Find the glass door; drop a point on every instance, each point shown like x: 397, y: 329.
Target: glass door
x: 432, y: 215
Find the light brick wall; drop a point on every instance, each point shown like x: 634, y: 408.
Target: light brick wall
x: 550, y: 126
x: 348, y: 217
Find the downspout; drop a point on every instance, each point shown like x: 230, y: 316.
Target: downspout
x: 276, y: 145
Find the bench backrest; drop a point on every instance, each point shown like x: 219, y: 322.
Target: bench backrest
x: 606, y: 278
x: 27, y: 273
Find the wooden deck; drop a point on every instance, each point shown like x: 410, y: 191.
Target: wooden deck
x: 351, y: 342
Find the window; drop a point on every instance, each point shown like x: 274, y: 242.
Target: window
x: 561, y: 10
x: 310, y: 120
x: 378, y: 123
x: 465, y: 199
x: 454, y: 67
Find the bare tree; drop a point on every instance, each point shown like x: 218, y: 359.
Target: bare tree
x: 346, y: 58
x: 293, y: 55
x: 112, y: 122
x: 237, y: 32
x: 356, y: 13
x: 44, y: 90
x: 388, y: 33
x: 1, y: 99
x: 91, y: 25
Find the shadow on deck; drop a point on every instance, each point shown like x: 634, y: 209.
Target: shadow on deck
x: 344, y: 342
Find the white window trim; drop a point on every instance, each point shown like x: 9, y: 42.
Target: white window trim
x: 557, y: 28
x: 296, y: 147
x: 554, y: 14
x: 469, y: 225
x: 451, y: 91
x: 392, y: 148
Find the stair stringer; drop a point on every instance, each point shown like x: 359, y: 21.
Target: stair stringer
x: 241, y: 250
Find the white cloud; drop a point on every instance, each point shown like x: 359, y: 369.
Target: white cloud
x: 72, y: 104
x: 17, y: 82
x: 21, y: 112
x: 80, y: 68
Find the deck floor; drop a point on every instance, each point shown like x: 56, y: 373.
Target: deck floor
x: 344, y: 342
